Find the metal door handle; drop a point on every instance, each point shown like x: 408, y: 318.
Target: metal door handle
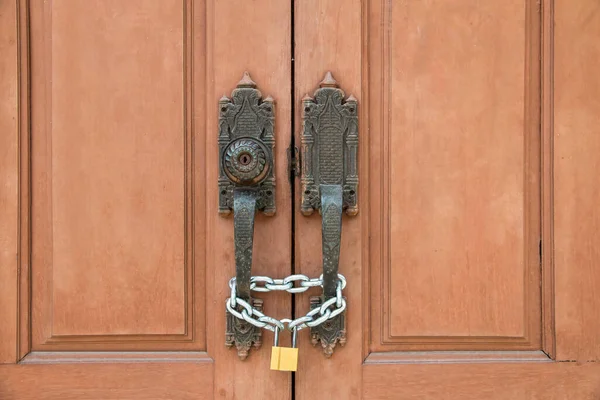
x: 329, y: 184
x: 246, y: 184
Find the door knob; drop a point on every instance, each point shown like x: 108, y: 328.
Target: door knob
x: 246, y: 185
x: 329, y: 184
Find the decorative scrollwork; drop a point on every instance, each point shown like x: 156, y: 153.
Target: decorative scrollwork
x: 243, y: 334
x: 246, y: 184
x: 245, y: 161
x: 329, y: 145
x: 329, y: 185
x: 246, y: 146
x: 330, y: 333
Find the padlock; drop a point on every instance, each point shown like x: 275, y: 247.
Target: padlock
x: 288, y: 356
x: 275, y: 351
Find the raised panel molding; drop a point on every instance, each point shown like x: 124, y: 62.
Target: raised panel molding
x: 189, y: 331
x: 456, y: 357
x: 181, y: 362
x: 537, y: 316
x: 114, y: 357
x: 10, y: 128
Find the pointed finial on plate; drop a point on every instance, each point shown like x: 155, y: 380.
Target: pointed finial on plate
x: 223, y: 99
x: 328, y: 81
x: 246, y: 81
x: 351, y: 98
x: 307, y: 98
x: 269, y: 99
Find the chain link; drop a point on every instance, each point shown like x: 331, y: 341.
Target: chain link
x: 267, y: 284
x: 330, y: 309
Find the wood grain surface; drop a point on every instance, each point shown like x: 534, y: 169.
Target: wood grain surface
x: 478, y: 138
x: 159, y: 381
x: 576, y: 185
x: 328, y: 37
x: 9, y: 181
x: 522, y: 381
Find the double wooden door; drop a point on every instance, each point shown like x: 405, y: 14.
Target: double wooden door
x: 471, y: 266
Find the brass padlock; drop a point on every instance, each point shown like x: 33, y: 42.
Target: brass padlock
x: 288, y: 357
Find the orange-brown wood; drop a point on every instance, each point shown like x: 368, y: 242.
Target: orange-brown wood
x: 24, y: 137
x: 252, y: 36
x: 547, y: 178
x: 124, y: 103
x: 77, y: 381
x: 455, y: 357
x: 110, y: 195
x: 455, y: 201
x: 576, y: 188
x: 329, y: 38
x: 87, y: 357
x: 9, y: 181
x: 523, y: 381
x: 478, y: 138
x: 111, y: 177
x: 459, y: 193
x: 453, y: 206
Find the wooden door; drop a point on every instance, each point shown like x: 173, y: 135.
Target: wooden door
x: 472, y: 266
x: 114, y: 260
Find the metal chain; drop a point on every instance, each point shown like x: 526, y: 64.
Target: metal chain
x: 267, y: 284
x: 330, y: 309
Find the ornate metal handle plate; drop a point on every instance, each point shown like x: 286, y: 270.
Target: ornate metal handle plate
x: 246, y: 184
x: 329, y: 184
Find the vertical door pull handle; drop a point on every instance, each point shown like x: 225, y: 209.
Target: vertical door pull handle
x: 329, y: 177
x: 246, y: 185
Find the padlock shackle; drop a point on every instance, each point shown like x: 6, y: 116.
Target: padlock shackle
x: 276, y: 336
x: 294, y: 337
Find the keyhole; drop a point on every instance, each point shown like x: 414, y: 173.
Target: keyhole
x: 245, y: 158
